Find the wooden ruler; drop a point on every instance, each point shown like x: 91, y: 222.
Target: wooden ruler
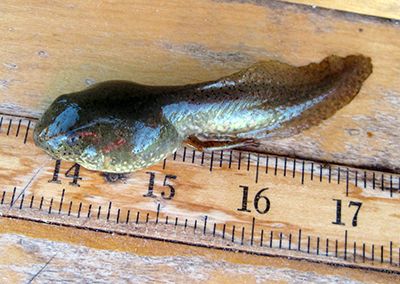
x: 256, y: 203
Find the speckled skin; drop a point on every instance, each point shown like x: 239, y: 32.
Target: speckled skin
x: 120, y: 126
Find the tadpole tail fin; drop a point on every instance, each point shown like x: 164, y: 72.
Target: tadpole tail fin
x: 330, y: 84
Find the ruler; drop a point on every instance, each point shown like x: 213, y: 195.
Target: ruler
x: 266, y: 205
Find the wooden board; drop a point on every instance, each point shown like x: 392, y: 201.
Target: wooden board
x: 44, y: 253
x: 52, y: 47
x: 197, y: 199
x: 380, y: 8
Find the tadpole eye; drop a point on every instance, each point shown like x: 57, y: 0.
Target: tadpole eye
x: 73, y: 140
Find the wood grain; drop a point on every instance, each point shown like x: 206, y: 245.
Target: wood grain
x: 52, y: 47
x: 49, y: 48
x: 87, y: 256
x: 379, y: 8
x: 207, y: 195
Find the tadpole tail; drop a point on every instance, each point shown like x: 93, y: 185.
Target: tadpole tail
x: 338, y: 79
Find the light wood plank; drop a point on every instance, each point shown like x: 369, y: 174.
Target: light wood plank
x: 27, y: 247
x: 380, y: 8
x: 205, y: 207
x: 53, y: 47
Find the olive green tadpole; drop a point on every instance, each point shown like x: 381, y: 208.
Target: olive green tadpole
x: 120, y: 126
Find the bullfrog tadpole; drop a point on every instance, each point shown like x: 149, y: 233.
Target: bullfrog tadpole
x: 121, y: 126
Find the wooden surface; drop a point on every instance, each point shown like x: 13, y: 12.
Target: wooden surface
x: 380, y: 8
x: 76, y: 258
x: 49, y: 49
x: 204, y: 209
x: 45, y: 254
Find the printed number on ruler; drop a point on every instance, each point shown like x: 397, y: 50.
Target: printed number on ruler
x: 75, y: 176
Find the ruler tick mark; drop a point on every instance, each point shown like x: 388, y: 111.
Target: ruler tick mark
x: 158, y: 212
x: 336, y: 248
x: 27, y: 131
x: 69, y: 209
x: 363, y: 252
x: 284, y: 166
x: 61, y: 201
x: 89, y: 211
x: 195, y: 226
x: 22, y: 201
x: 252, y: 230
x: 212, y: 160
x: 373, y: 252
x: 373, y: 180
x: 327, y: 247
x: 356, y: 179
x: 50, y: 206
x: 257, y: 167
x: 294, y: 168
x: 312, y: 171
x: 354, y: 251
x: 248, y: 161
x: 137, y: 217
x: 31, y: 203
x: 18, y: 127
x: 98, y: 212
x: 320, y: 173
x: 299, y: 241
x: 262, y: 238
x: 9, y: 126
x: 193, y: 156
x: 109, y: 210
x: 12, y: 197
x: 79, y: 210
x: 365, y: 179
x: 271, y: 236
x: 118, y: 213
x: 276, y: 166
x: 329, y: 174
x: 242, y: 239
x: 345, y: 245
